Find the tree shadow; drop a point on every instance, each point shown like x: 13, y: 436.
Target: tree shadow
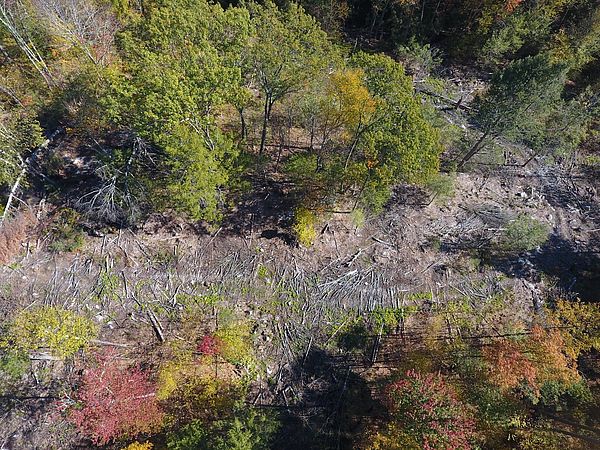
x: 565, y: 193
x: 576, y: 269
x: 30, y: 416
x: 575, y: 263
x: 408, y: 195
x: 326, y: 405
x: 265, y: 208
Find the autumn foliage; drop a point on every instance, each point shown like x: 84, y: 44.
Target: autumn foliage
x: 430, y: 412
x: 539, y: 358
x: 115, y: 402
x: 511, y: 5
x: 508, y: 365
x: 49, y: 328
x: 580, y: 325
x: 138, y: 446
x: 12, y: 234
x: 547, y: 348
x: 209, y: 345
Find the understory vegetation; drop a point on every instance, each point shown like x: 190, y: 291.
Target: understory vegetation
x: 342, y: 224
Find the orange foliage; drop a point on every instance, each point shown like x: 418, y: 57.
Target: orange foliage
x: 547, y: 349
x: 536, y: 360
x: 511, y: 5
x: 12, y: 234
x: 491, y: 11
x: 509, y: 366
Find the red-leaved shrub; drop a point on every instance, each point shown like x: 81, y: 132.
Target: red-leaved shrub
x: 209, y: 345
x: 115, y: 401
x: 428, y: 409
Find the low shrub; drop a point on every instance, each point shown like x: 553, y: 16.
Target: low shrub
x: 115, y: 402
x: 524, y: 234
x: 235, y: 343
x: 58, y: 330
x: 441, y: 186
x: 13, y: 366
x: 138, y: 446
x: 304, y: 226
x: 66, y: 234
x: 420, y: 60
x: 358, y: 218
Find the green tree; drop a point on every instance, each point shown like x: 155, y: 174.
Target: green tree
x: 18, y: 20
x: 287, y: 50
x: 335, y: 111
x: 518, y: 102
x: 398, y: 144
x: 19, y: 134
x: 331, y: 14
x: 196, y: 172
x: 563, y: 130
x: 246, y: 430
x: 20, y: 142
x: 524, y: 234
x: 181, y: 60
x: 183, y: 66
x: 578, y: 41
x: 368, y: 132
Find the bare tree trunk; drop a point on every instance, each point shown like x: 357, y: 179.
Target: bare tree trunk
x: 8, y: 20
x: 243, y: 131
x: 530, y: 159
x: 9, y: 93
x: 474, y: 150
x: 13, y: 192
x: 362, y: 189
x: 373, y: 22
x: 25, y: 167
x: 266, y: 117
x: 352, y: 148
x: 5, y: 53
x: 312, y: 133
x: 87, y: 24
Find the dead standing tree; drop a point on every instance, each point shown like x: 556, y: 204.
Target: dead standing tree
x: 117, y: 197
x: 85, y: 24
x: 17, y: 164
x: 14, y: 17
